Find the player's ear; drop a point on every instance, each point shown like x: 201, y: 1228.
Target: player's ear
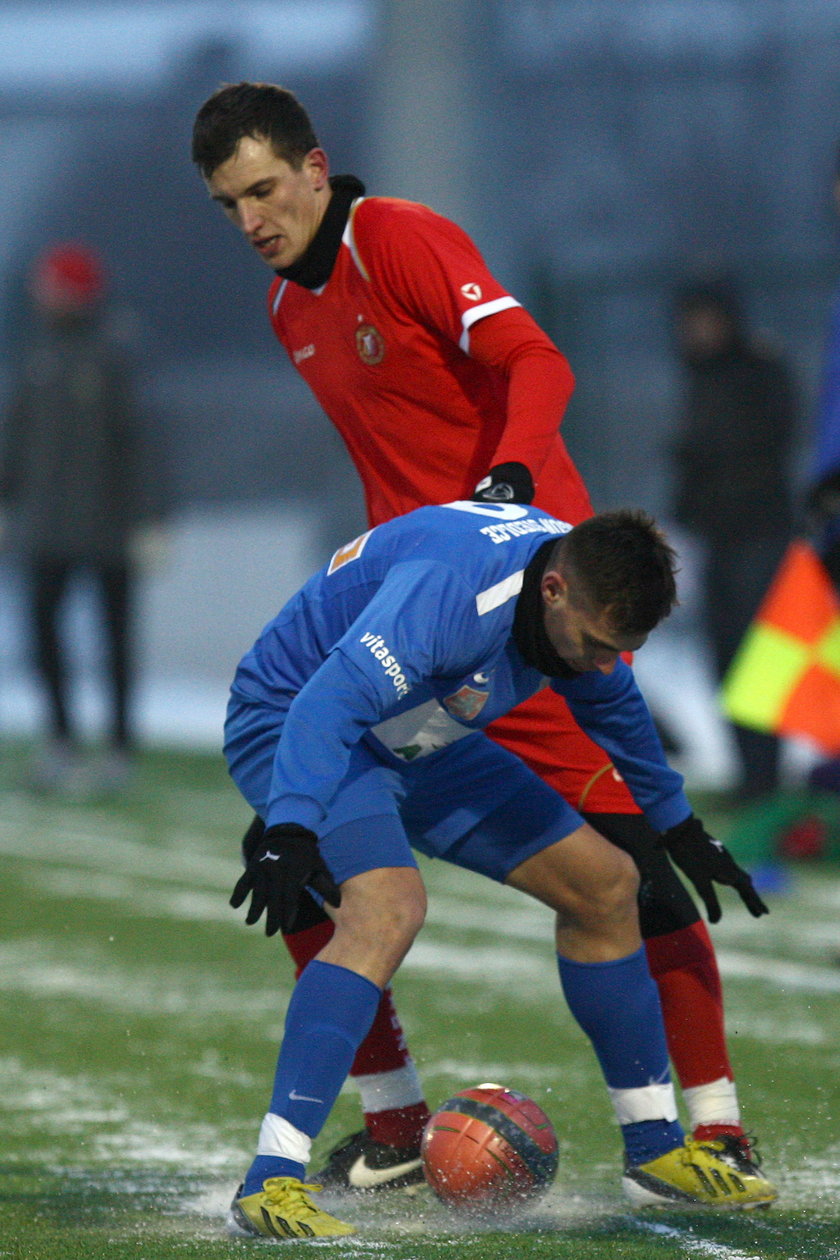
x: 317, y: 166
x: 554, y: 588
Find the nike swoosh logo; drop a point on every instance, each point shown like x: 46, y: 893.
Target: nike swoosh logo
x: 296, y: 1097
x: 271, y: 857
x: 364, y: 1178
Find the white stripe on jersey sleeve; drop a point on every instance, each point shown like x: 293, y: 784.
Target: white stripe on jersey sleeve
x: 495, y: 596
x: 475, y: 313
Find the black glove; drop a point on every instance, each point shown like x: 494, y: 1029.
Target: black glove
x: 284, y: 863
x: 252, y: 838
x: 506, y: 483
x: 703, y: 859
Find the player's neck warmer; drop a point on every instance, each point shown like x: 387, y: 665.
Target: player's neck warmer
x: 528, y: 625
x: 315, y: 264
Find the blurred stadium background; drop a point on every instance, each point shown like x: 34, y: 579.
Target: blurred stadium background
x: 597, y: 152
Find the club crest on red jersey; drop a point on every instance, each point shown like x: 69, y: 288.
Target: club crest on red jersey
x: 370, y: 344
x: 466, y: 703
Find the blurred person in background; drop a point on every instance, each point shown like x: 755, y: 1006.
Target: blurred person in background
x: 75, y: 493
x: 443, y: 388
x: 732, y: 483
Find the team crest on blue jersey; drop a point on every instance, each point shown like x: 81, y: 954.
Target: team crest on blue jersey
x: 466, y: 703
x: 370, y: 344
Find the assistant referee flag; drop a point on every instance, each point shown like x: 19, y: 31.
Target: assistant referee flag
x: 785, y: 678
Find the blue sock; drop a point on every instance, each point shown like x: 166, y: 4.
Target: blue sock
x: 265, y: 1166
x: 328, y: 1017
x: 617, y: 1006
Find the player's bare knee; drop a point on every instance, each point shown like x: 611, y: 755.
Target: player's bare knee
x: 597, y: 895
x: 387, y: 912
x: 617, y: 889
x: 400, y: 920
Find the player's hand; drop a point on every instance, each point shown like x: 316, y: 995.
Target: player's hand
x: 283, y: 864
x: 705, y: 862
x: 506, y: 483
x: 252, y: 838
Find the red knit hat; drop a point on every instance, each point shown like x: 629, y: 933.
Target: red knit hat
x: 71, y: 271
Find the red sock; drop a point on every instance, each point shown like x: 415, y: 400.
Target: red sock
x: 303, y: 946
x: 708, y: 1132
x: 684, y: 966
x: 401, y: 1126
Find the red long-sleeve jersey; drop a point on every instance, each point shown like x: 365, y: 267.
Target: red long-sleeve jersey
x: 433, y: 373
x: 430, y: 370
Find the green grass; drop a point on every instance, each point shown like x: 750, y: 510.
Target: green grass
x: 140, y: 1021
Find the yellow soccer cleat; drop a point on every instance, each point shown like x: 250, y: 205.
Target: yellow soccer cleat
x: 717, y: 1173
x: 284, y: 1209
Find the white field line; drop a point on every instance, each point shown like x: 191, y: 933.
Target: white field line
x: 34, y: 967
x: 113, y: 850
x: 779, y: 972
x: 691, y: 1245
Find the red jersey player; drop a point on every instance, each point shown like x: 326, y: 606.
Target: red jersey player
x: 444, y: 388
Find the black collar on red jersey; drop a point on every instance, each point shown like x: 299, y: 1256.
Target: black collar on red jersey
x: 314, y: 267
x: 529, y: 633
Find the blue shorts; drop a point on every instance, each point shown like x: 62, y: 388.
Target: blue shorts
x: 473, y: 804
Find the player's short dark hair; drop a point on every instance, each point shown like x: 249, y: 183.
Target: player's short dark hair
x: 263, y: 111
x: 624, y: 563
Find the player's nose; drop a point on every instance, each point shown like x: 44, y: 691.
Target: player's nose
x: 250, y: 217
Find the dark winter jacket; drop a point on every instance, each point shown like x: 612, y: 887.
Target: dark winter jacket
x: 733, y: 453
x: 71, y: 469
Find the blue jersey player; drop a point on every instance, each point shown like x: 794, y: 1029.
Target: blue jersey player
x: 355, y: 730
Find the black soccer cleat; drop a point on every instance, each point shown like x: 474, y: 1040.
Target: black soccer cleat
x: 359, y: 1164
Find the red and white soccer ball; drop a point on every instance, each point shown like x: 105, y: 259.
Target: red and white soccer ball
x: 489, y: 1147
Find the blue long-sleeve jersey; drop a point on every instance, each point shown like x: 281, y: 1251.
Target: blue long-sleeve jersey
x: 404, y: 640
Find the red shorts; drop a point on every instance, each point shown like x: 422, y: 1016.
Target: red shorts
x: 544, y: 734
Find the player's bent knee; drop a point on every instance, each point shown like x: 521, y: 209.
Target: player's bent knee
x: 583, y: 876
x: 617, y: 888
x: 374, y: 944
x: 384, y: 908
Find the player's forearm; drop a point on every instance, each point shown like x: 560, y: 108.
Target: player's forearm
x: 613, y: 712
x: 539, y: 385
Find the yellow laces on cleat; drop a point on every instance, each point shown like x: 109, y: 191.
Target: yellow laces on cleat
x: 284, y: 1209
x: 704, y: 1173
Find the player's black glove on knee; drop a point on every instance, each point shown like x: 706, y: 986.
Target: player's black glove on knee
x: 283, y: 864
x: 506, y: 483
x: 704, y: 860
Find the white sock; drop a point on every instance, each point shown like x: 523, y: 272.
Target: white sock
x: 387, y: 1091
x: 713, y: 1103
x: 648, y: 1102
x: 278, y: 1137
